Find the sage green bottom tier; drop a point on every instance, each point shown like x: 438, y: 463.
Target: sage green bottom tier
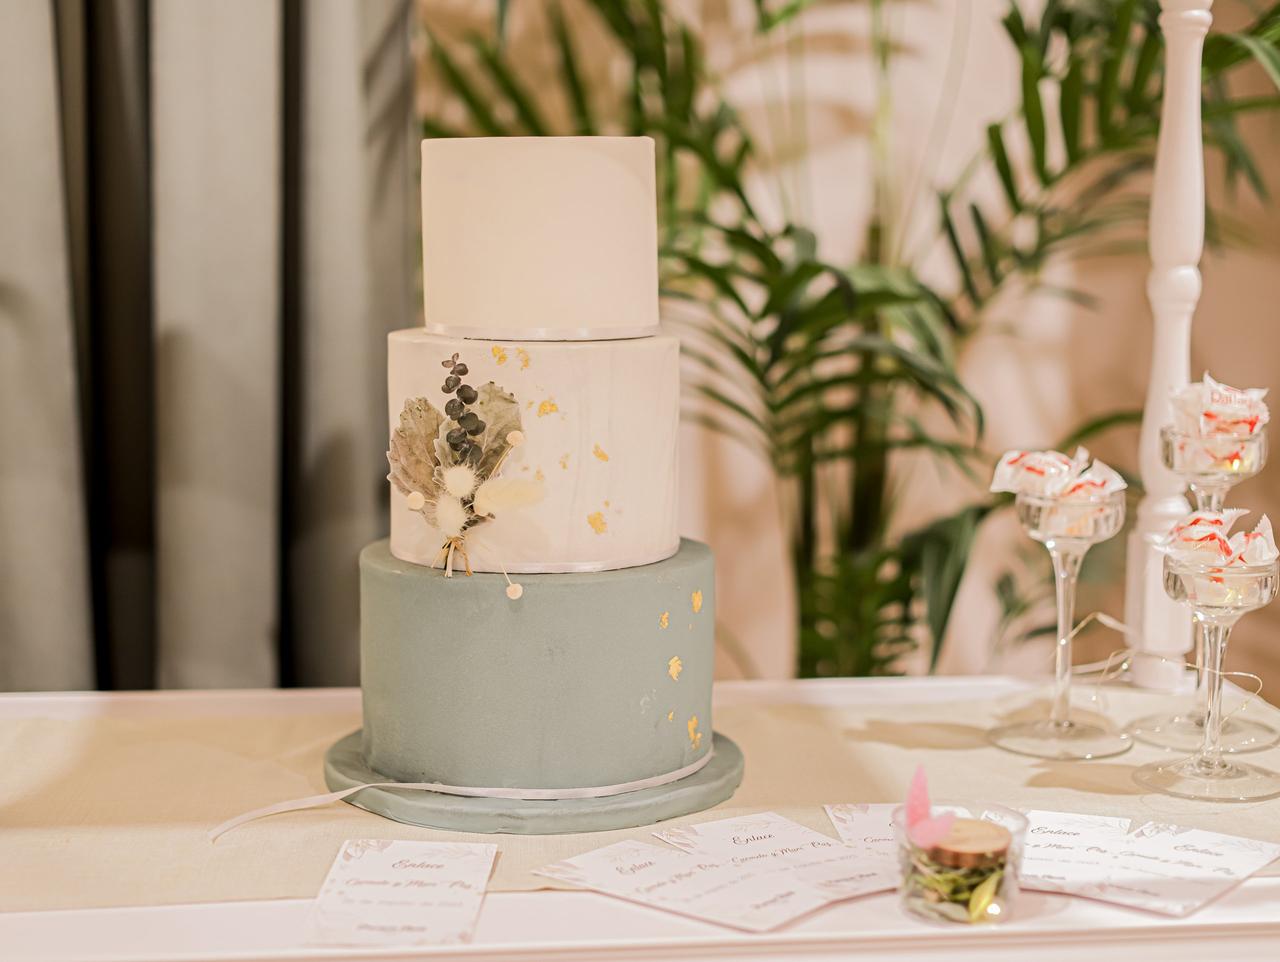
x: 585, y: 679
x: 345, y: 767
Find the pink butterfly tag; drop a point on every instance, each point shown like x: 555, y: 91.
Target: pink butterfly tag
x: 924, y: 830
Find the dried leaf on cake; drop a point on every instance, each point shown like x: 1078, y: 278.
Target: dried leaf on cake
x: 500, y: 412
x: 413, y: 456
x: 444, y: 454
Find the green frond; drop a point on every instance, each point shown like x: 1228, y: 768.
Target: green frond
x: 461, y: 86
x: 504, y: 78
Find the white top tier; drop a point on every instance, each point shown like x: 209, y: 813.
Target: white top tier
x: 540, y: 238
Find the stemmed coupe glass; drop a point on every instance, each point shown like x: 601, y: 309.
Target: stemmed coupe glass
x: 1218, y: 595
x: 1067, y: 527
x: 1211, y: 467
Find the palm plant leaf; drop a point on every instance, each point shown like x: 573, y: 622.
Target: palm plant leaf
x: 571, y: 75
x: 1104, y: 59
x: 505, y: 80
x: 940, y: 553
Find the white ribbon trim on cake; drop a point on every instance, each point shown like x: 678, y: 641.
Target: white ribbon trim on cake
x: 543, y: 333
x: 527, y: 794
x: 482, y: 565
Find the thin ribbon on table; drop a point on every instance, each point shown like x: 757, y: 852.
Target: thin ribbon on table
x: 534, y: 794
x: 1118, y: 662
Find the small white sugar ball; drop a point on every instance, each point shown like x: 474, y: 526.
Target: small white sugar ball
x: 450, y: 516
x: 459, y: 480
x: 415, y: 500
x: 514, y: 591
x: 515, y: 438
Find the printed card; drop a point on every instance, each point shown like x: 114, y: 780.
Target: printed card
x: 384, y: 892
x: 767, y: 842
x: 691, y: 885
x: 1064, y: 851
x: 1160, y: 868
x: 868, y: 828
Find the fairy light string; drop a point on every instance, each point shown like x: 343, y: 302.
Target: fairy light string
x: 1120, y: 661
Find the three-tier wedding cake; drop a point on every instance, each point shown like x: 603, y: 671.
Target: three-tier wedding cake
x: 536, y: 639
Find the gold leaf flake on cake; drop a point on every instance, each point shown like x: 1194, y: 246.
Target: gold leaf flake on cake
x: 599, y: 452
x: 695, y: 736
x: 664, y: 619
x: 597, y: 522
x: 564, y: 461
x: 539, y: 476
x: 547, y: 407
x: 499, y: 354
x: 524, y: 357
x: 696, y: 598
x: 671, y: 716
x: 674, y: 667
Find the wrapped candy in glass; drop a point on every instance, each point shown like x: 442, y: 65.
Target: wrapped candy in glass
x: 1220, y: 580
x: 1210, y: 571
x: 1209, y: 409
x: 1037, y: 472
x: 1206, y: 533
x: 1084, y: 508
x: 1235, y: 458
x: 1216, y: 440
x: 1067, y: 504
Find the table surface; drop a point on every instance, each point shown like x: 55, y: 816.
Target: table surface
x: 581, y: 925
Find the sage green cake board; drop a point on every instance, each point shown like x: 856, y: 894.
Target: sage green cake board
x: 345, y: 767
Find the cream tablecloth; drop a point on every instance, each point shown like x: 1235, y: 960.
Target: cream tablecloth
x: 113, y: 811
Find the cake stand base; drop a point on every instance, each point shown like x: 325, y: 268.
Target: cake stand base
x: 345, y: 767
x: 1185, y: 733
x: 1073, y: 741
x: 1196, y: 778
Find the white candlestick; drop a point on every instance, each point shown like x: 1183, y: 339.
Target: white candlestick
x: 1176, y: 242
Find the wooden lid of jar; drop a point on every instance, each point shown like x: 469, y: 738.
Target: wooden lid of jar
x: 972, y: 843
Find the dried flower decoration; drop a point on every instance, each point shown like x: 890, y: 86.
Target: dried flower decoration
x: 954, y: 869
x: 447, y: 464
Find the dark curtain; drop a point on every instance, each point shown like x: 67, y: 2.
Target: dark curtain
x: 322, y: 238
